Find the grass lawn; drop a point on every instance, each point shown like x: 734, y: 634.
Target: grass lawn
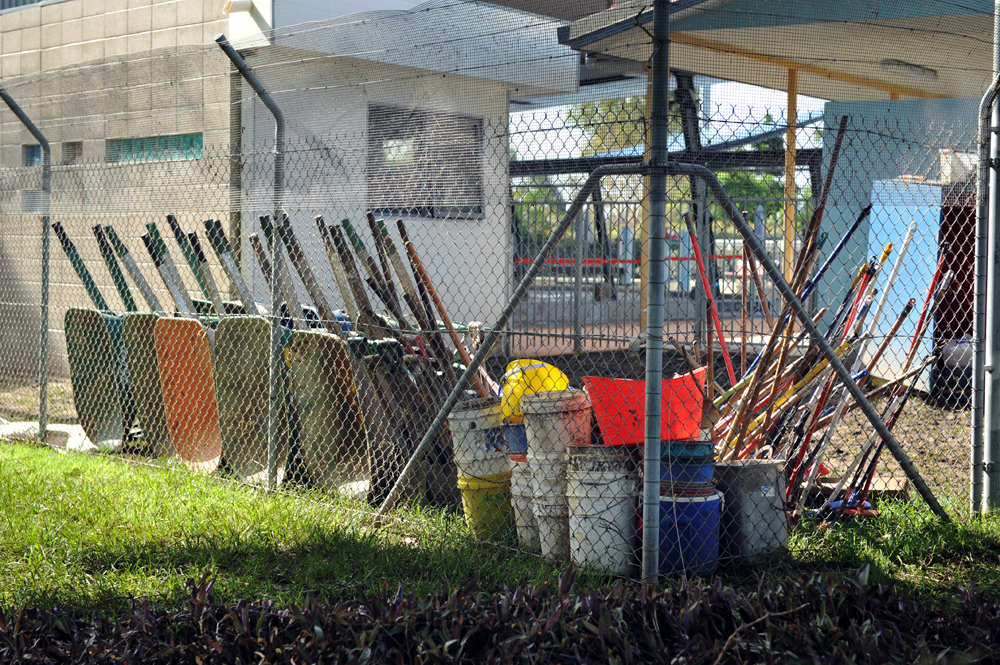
x: 91, y: 532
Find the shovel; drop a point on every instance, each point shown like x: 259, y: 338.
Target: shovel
x: 102, y: 390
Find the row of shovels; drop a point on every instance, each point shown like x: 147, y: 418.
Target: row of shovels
x: 358, y: 387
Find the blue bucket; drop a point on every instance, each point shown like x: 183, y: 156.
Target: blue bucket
x: 516, y: 438
x: 687, y: 448
x: 689, y: 532
x: 687, y: 471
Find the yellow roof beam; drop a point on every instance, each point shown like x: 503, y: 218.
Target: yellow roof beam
x: 788, y: 63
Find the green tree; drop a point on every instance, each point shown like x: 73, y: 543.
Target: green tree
x: 613, y: 124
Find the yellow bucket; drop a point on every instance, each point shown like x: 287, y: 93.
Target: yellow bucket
x: 486, y: 504
x: 525, y: 377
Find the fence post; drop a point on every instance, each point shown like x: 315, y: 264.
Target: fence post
x: 275, y: 382
x: 43, y: 328
x: 985, y: 390
x: 654, y: 316
x: 581, y: 226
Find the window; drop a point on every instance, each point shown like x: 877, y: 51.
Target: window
x: 424, y: 163
x: 72, y: 153
x: 31, y: 155
x: 154, y: 148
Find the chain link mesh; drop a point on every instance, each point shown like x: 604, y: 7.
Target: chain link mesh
x: 422, y: 177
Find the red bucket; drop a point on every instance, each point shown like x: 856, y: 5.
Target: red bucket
x: 620, y: 408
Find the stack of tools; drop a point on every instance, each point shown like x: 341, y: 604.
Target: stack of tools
x: 191, y: 378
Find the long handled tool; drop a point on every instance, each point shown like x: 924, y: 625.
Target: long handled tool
x: 102, y: 387
x: 187, y: 251
x: 175, y: 293
x: 133, y: 270
x: 169, y: 267
x: 144, y: 368
x: 116, y: 272
x: 710, y: 295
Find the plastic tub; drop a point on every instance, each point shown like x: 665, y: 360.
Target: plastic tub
x: 477, y: 438
x: 687, y: 448
x: 525, y: 377
x: 689, y: 532
x: 486, y: 503
x: 601, y: 495
x: 687, y: 470
x: 522, y: 496
x: 557, y: 419
x: 515, y: 438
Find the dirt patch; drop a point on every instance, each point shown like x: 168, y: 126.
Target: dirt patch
x: 19, y: 403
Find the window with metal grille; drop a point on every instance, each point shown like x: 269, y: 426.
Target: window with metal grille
x: 31, y: 155
x: 72, y: 153
x: 154, y: 148
x: 425, y: 163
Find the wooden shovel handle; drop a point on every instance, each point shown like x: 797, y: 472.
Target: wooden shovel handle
x: 425, y: 278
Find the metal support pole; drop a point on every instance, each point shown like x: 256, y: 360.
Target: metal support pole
x: 581, y: 226
x: 985, y: 377
x: 276, y: 378
x: 43, y: 327
x: 654, y: 315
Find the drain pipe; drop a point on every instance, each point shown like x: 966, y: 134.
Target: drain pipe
x: 276, y: 380
x: 43, y: 328
x: 654, y: 297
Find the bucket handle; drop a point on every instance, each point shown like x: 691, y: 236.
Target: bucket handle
x: 522, y: 368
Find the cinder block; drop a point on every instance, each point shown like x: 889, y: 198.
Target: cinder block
x: 11, y: 21
x: 93, y: 50
x: 140, y: 19
x: 52, y: 58
x: 116, y: 23
x: 191, y: 12
x: 10, y: 66
x: 31, y: 62
x: 93, y: 28
x: 51, y: 13
x: 132, y: 4
x: 31, y: 39
x: 189, y: 34
x: 11, y: 42
x: 73, y: 9
x: 51, y: 35
x: 164, y: 15
x: 115, y: 46
x: 72, y: 31
x: 140, y: 42
x: 164, y: 38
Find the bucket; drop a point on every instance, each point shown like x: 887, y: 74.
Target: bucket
x: 486, y: 504
x: 521, y: 497
x: 601, y: 495
x: 754, y: 522
x: 689, y: 532
x: 525, y: 377
x: 687, y: 471
x: 548, y: 485
x: 477, y: 435
x: 557, y: 419
x: 515, y: 438
x: 553, y: 528
x: 687, y: 448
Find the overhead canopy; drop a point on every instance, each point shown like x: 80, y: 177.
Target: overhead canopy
x: 846, y: 50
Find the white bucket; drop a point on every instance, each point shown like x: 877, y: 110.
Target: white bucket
x: 522, y: 495
x: 556, y: 419
x: 476, y: 429
x: 553, y: 528
x: 602, y: 494
x: 548, y: 476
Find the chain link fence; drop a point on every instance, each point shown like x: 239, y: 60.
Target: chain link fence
x: 420, y: 182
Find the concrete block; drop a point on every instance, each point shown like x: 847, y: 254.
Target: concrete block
x: 73, y: 10
x: 31, y: 62
x: 116, y: 24
x: 93, y: 50
x: 115, y: 46
x: 11, y: 21
x: 52, y: 35
x: 10, y: 66
x: 140, y: 19
x: 52, y: 58
x: 191, y: 12
x: 164, y: 38
x: 11, y: 42
x: 51, y: 13
x: 72, y: 53
x: 132, y: 4
x: 140, y: 42
x: 31, y: 38
x: 164, y: 15
x: 93, y: 27
x: 189, y: 34
x: 72, y: 31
